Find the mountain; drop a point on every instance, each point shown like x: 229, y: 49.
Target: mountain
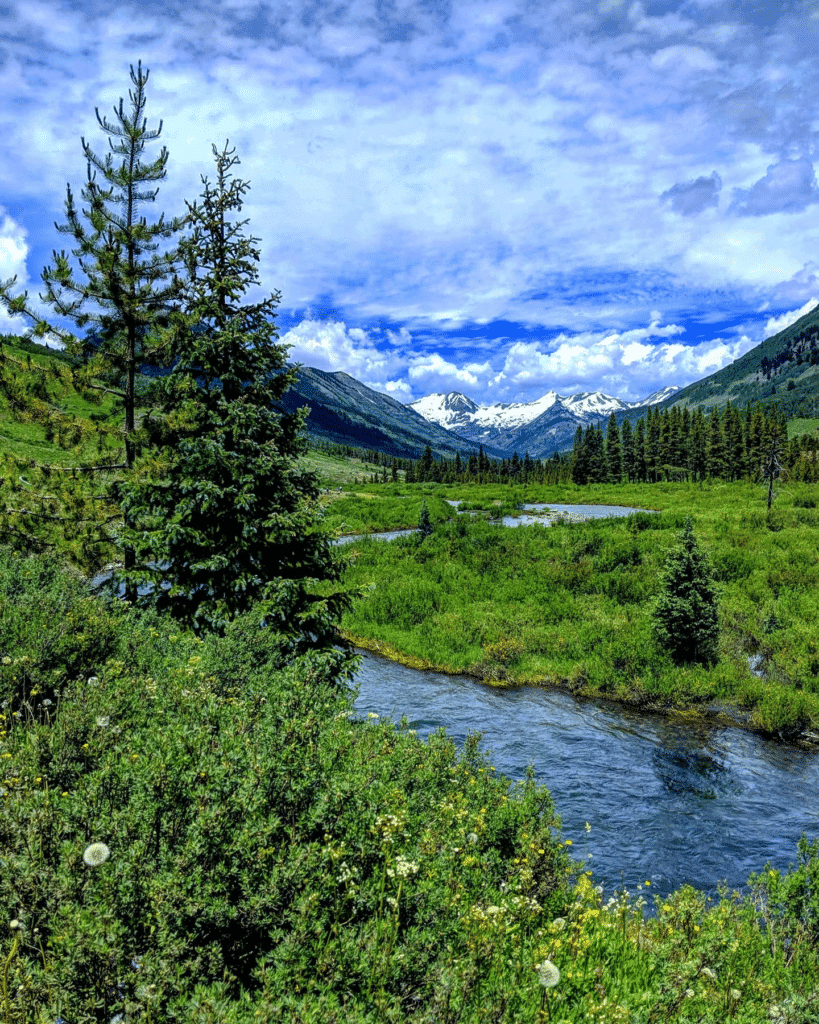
x: 541, y: 427
x: 783, y: 369
x: 345, y: 411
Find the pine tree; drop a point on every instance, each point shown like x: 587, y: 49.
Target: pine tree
x: 579, y: 462
x: 640, y: 466
x: 715, y: 445
x: 228, y: 522
x: 629, y: 460
x: 130, y: 293
x: 685, y: 616
x: 614, y: 451
x: 424, y: 524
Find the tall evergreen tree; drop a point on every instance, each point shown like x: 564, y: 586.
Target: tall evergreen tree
x: 715, y: 445
x: 698, y: 456
x: 130, y: 294
x: 629, y: 461
x: 614, y: 451
x: 685, y: 616
x: 228, y: 522
x: 579, y: 462
x: 640, y: 467
x: 734, y: 443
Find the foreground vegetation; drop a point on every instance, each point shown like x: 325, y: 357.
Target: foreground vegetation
x: 571, y: 604
x: 202, y: 830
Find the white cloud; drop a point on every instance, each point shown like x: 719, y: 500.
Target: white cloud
x: 13, y: 251
x: 623, y: 364
x: 438, y: 165
x: 775, y: 324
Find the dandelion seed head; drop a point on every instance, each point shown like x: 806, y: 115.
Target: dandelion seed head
x: 548, y: 974
x: 95, y: 854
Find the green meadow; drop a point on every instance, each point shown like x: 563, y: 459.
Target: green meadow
x: 571, y: 604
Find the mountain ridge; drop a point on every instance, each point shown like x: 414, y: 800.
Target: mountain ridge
x: 540, y: 428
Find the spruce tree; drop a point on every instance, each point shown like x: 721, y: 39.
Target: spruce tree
x: 614, y: 451
x: 629, y: 459
x: 228, y: 522
x: 130, y: 288
x: 424, y: 523
x: 685, y: 617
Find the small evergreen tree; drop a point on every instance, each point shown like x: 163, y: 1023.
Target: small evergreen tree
x: 424, y: 524
x: 685, y: 616
x: 228, y: 520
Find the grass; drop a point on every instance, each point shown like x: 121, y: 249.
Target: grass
x: 570, y: 604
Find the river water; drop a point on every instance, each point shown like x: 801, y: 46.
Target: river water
x: 668, y: 801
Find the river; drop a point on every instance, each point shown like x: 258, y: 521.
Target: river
x: 668, y: 800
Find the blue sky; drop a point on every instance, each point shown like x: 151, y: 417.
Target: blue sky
x: 498, y: 197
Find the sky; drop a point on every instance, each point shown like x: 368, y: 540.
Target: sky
x: 496, y: 197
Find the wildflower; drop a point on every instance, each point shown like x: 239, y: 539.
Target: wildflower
x: 92, y: 680
x: 472, y: 837
x: 47, y: 703
x: 735, y: 993
x: 648, y: 882
x: 371, y: 714
x: 15, y: 925
x: 548, y: 974
x: 95, y: 854
x: 708, y: 973
x: 403, y: 868
x: 588, y: 827
x: 102, y: 721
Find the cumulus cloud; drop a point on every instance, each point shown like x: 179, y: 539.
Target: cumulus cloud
x: 629, y: 365
x: 435, y: 373
x: 331, y: 346
x: 692, y: 197
x: 455, y: 164
x: 787, y: 187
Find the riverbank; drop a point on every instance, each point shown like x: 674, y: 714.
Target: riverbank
x: 570, y: 604
x: 717, y: 712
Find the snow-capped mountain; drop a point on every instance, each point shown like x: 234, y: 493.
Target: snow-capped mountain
x: 538, y: 427
x: 660, y: 396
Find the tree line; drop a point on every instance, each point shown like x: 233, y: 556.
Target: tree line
x: 683, y: 445
x: 481, y: 469
x: 666, y: 444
